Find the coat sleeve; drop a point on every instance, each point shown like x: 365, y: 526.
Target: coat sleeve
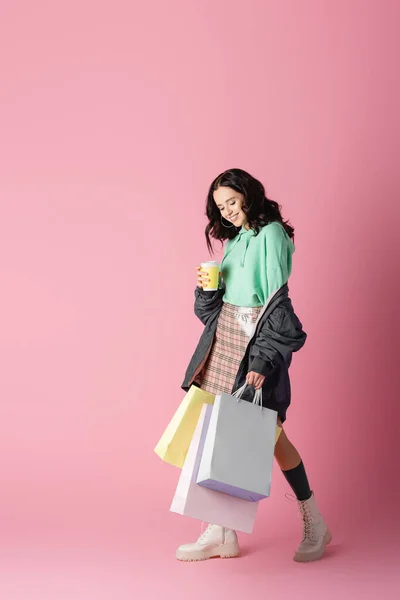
x: 207, y: 303
x: 280, y: 335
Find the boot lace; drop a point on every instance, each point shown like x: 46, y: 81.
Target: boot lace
x: 308, y: 524
x: 205, y: 532
x: 308, y: 528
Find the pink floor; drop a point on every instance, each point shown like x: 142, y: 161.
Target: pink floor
x: 121, y: 559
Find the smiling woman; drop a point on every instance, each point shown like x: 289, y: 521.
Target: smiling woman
x: 255, y: 269
x: 236, y: 199
x: 231, y: 208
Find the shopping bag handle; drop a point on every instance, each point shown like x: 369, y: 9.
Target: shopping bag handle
x: 257, y: 395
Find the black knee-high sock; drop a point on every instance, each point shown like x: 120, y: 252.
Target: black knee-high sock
x: 297, y: 479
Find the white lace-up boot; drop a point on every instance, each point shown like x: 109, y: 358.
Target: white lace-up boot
x: 316, y: 535
x: 215, y: 541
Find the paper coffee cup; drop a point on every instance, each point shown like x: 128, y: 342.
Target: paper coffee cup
x: 212, y: 270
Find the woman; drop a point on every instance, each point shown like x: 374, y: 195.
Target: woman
x: 250, y: 334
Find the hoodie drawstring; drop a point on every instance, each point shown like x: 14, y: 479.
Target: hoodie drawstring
x: 245, y: 250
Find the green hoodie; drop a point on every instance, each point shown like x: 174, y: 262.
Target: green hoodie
x: 255, y: 266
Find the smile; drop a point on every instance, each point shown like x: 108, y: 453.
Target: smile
x: 234, y: 217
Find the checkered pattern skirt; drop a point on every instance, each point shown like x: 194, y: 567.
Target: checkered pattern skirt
x: 234, y: 328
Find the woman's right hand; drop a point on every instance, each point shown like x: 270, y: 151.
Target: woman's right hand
x: 202, y: 278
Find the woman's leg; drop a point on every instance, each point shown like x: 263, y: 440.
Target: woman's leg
x: 292, y: 466
x: 285, y: 453
x: 316, y: 535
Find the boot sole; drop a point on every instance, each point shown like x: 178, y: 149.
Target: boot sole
x: 315, y: 555
x: 229, y: 552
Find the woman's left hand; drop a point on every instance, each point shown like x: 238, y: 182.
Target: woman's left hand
x: 255, y: 379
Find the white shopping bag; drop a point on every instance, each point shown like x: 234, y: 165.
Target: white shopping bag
x: 238, y: 452
x: 204, y: 504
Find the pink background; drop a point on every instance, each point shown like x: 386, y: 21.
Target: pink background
x: 114, y: 119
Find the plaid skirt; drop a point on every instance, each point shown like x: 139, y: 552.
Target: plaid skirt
x: 234, y: 328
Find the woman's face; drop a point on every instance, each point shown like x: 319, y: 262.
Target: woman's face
x: 230, y: 205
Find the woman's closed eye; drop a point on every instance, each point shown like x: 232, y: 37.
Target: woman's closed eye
x: 232, y: 204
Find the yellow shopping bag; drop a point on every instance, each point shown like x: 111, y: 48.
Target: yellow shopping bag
x: 278, y: 433
x: 175, y: 441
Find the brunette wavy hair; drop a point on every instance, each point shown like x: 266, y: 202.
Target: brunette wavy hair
x: 259, y: 209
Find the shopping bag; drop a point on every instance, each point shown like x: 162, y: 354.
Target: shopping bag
x: 239, y: 448
x: 204, y: 504
x: 175, y: 441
